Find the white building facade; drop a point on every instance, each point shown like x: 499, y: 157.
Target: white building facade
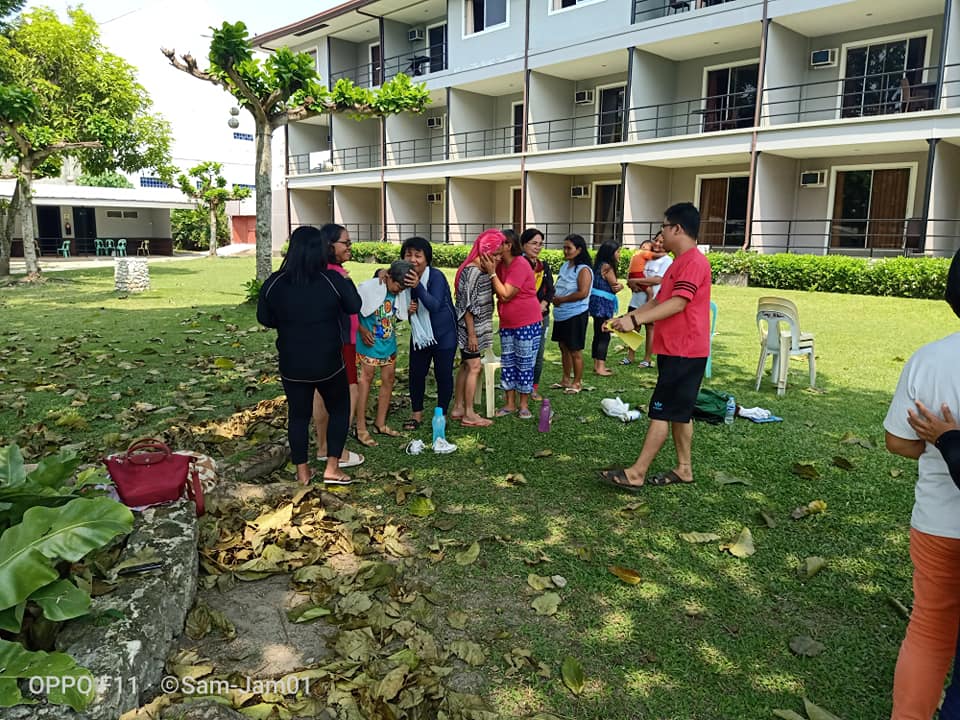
x: 811, y: 126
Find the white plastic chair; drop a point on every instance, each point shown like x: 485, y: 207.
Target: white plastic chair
x: 782, y: 344
x: 488, y: 380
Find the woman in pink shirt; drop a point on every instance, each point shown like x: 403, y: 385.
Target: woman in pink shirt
x: 516, y: 288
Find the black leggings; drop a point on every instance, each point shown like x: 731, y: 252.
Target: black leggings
x: 442, y: 370
x: 601, y: 339
x: 336, y: 397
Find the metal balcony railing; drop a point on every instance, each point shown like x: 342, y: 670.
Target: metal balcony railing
x: 482, y: 143
x: 356, y: 158
x: 580, y: 131
x: 872, y: 237
x: 644, y: 10
x: 300, y: 164
x: 867, y: 95
x: 413, y: 63
x: 416, y: 150
x: 689, y: 117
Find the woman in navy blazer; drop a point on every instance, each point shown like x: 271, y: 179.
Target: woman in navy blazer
x: 430, y: 295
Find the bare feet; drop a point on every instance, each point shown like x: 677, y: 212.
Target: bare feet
x: 604, y: 372
x: 474, y: 420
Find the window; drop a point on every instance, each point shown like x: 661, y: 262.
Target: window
x: 731, y: 97
x: 607, y: 213
x: 723, y: 210
x: 870, y: 208
x: 437, y: 47
x: 146, y: 181
x: 878, y: 76
x: 483, y: 15
x: 131, y: 214
x: 243, y: 136
x: 556, y: 5
x: 610, y: 115
x: 244, y: 185
x: 114, y: 214
x: 376, y: 65
x: 518, y: 127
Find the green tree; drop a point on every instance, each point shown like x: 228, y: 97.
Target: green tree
x: 191, y: 228
x: 208, y: 188
x: 107, y: 179
x: 284, y: 88
x: 63, y: 94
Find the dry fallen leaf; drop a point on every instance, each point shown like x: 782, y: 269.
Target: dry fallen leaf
x: 810, y: 567
x: 743, y: 546
x: 811, y: 508
x: 539, y: 582
x: 631, y: 577
x: 469, y: 555
x: 724, y: 479
x: 817, y: 713
x: 842, y: 463
x: 699, y: 537
x: 806, y: 470
x: 546, y: 604
x: 572, y: 673
x: 546, y: 452
x: 806, y: 646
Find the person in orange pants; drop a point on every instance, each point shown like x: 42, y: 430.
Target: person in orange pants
x: 930, y: 378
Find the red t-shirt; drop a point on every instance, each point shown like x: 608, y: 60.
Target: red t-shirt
x: 686, y: 334
x: 523, y: 308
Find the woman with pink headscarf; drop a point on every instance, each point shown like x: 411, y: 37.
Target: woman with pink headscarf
x: 474, y: 300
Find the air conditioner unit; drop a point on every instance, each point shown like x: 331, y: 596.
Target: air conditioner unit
x: 580, y: 191
x: 823, y: 58
x: 415, y: 34
x: 435, y: 198
x: 813, y: 179
x: 583, y: 97
x: 435, y: 122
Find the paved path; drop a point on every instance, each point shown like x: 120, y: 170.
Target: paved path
x: 49, y: 264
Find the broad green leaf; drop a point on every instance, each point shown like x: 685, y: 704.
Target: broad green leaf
x: 742, y: 547
x: 11, y: 618
x: 788, y: 715
x: 224, y: 363
x: 572, y: 673
x: 265, y: 711
x: 699, y: 537
x: 724, y: 479
x: 806, y: 646
x: 306, y: 612
x: 61, y: 600
x: 421, y: 506
x: 546, y: 604
x: 811, y: 566
x: 470, y: 652
x: 469, y: 555
x: 54, y: 470
x: 46, y: 535
x: 631, y: 577
x: 12, y: 471
x: 817, y: 713
x: 18, y: 663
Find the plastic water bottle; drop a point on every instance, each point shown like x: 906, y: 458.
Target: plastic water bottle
x: 439, y: 425
x: 731, y: 410
x: 545, y: 414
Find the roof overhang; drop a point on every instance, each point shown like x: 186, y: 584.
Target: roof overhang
x: 84, y: 196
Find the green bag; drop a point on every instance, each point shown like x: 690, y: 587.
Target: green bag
x: 711, y: 406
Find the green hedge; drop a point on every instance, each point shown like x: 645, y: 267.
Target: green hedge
x: 898, y: 277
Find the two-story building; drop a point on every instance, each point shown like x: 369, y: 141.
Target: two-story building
x: 795, y: 125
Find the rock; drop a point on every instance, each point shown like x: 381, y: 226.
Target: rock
x: 131, y: 275
x: 127, y: 656
x: 267, y: 458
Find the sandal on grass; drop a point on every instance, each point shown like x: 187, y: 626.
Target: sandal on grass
x: 504, y: 412
x: 618, y: 479
x: 668, y: 478
x: 572, y: 390
x: 558, y: 386
x: 385, y: 430
x: 364, y: 438
x: 338, y: 480
x: 412, y: 424
x: 525, y: 414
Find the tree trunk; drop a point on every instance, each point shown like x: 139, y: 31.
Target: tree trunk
x: 264, y: 201
x: 213, y: 229
x: 25, y: 212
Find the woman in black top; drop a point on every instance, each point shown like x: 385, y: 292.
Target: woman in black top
x: 306, y: 302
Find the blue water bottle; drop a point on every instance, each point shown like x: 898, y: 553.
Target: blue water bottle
x: 731, y: 410
x: 439, y: 425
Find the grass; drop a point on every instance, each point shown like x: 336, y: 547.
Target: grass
x: 704, y: 635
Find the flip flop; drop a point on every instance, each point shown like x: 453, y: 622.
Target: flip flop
x: 339, y: 480
x: 668, y: 478
x: 353, y: 459
x: 645, y: 364
x: 524, y: 414
x: 559, y: 386
x: 570, y: 390
x: 483, y: 422
x: 385, y: 430
x: 626, y: 361
x: 369, y: 442
x: 618, y: 479
x: 503, y: 412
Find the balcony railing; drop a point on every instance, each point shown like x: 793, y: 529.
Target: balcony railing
x: 900, y: 91
x: 840, y: 236
x: 300, y: 164
x: 356, y: 158
x: 583, y: 131
x: 416, y: 150
x: 644, y: 10
x: 689, y: 117
x: 482, y: 143
x: 413, y: 63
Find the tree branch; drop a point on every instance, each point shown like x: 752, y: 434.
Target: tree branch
x: 189, y: 65
x: 22, y: 145
x: 61, y: 146
x: 253, y: 102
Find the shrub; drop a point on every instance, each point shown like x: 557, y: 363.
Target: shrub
x: 899, y: 277
x: 251, y: 289
x: 191, y: 229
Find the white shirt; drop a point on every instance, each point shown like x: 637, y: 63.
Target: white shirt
x: 654, y: 268
x: 931, y: 377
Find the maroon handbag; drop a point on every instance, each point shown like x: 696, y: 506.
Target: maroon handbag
x: 148, y: 473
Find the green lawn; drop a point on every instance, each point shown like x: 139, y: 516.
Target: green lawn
x: 704, y: 635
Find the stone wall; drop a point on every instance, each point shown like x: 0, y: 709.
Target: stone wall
x: 131, y: 274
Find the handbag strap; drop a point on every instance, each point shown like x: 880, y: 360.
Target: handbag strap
x: 195, y: 489
x: 147, y: 451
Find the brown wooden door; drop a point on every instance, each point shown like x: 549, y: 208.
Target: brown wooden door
x: 244, y: 229
x: 517, y: 210
x: 713, y: 210
x: 888, y: 208
x: 870, y: 208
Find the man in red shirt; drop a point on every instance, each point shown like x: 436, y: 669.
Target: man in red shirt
x: 681, y: 341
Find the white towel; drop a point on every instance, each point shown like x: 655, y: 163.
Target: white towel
x: 372, y: 294
x: 421, y: 325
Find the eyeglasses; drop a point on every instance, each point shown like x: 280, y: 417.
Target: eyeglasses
x: 345, y: 243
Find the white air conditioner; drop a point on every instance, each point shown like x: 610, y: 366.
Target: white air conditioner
x: 415, y: 34
x: 435, y: 198
x: 583, y: 97
x: 435, y: 122
x: 813, y: 179
x: 823, y: 58
x: 580, y: 191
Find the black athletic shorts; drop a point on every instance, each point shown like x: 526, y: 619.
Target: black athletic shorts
x: 572, y: 332
x: 678, y: 382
